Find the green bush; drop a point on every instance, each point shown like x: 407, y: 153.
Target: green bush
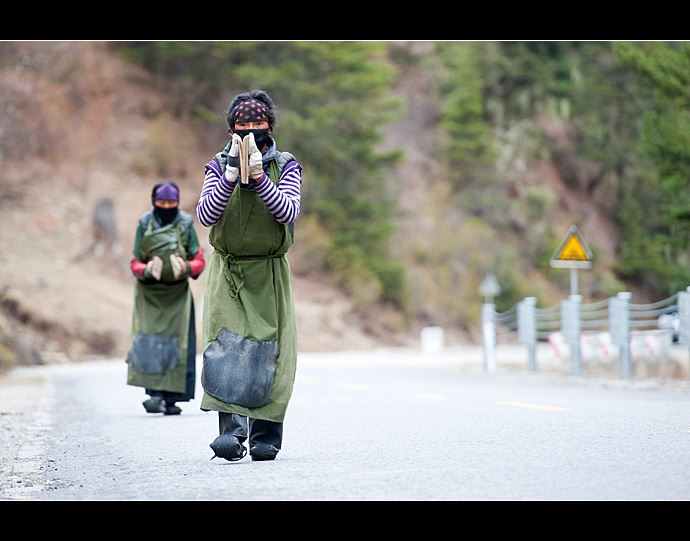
x: 351, y: 271
x: 312, y: 246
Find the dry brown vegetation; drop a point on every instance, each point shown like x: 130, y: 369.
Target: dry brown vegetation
x: 80, y: 124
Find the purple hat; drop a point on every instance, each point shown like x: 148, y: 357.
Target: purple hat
x: 167, y: 192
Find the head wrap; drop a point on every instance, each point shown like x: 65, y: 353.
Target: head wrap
x: 250, y: 111
x: 167, y: 192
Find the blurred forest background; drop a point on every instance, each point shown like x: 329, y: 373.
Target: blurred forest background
x: 426, y: 166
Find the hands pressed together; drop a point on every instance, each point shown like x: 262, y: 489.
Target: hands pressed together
x: 244, y: 160
x: 256, y: 167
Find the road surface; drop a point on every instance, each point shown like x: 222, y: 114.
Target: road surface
x: 375, y: 426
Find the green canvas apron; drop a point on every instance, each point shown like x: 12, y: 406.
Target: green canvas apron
x: 158, y: 356
x: 249, y: 334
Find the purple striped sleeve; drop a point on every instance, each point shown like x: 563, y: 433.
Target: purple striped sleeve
x: 215, y: 194
x: 283, y: 200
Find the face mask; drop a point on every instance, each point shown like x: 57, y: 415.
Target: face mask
x: 165, y: 216
x: 260, y: 136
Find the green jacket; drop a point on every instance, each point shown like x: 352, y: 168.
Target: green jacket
x: 157, y: 358
x: 249, y: 334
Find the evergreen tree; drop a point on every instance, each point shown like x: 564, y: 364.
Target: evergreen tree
x: 660, y: 254
x: 333, y: 100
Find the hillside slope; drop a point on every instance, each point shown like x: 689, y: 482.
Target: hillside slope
x: 447, y: 247
x: 81, y: 124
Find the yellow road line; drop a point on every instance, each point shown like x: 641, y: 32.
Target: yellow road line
x: 532, y: 406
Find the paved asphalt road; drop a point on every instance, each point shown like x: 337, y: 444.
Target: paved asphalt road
x: 360, y: 426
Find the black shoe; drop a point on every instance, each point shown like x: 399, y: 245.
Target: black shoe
x: 228, y: 447
x: 172, y: 409
x: 263, y: 451
x: 154, y: 404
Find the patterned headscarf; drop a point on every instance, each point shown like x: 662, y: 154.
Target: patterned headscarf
x: 250, y: 111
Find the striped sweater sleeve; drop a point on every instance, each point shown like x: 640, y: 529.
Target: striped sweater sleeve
x: 282, y: 200
x: 215, y: 194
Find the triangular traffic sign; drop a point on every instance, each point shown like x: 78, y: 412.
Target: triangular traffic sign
x: 573, y: 252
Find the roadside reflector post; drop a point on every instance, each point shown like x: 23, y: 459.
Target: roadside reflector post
x: 432, y: 339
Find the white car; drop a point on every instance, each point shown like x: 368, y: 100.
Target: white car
x: 670, y: 321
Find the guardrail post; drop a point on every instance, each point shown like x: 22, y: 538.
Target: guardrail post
x: 619, y: 327
x: 684, y: 317
x: 527, y: 329
x: 570, y: 323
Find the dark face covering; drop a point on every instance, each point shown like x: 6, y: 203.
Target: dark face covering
x: 260, y: 136
x: 165, y: 216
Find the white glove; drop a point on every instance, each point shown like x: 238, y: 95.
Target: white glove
x: 154, y: 268
x: 231, y: 172
x: 178, y: 266
x: 256, y: 167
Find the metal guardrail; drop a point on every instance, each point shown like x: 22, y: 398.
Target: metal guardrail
x: 615, y: 315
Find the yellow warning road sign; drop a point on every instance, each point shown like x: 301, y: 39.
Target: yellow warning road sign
x: 573, y: 252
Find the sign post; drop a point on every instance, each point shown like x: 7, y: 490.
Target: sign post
x: 489, y: 288
x: 572, y: 254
